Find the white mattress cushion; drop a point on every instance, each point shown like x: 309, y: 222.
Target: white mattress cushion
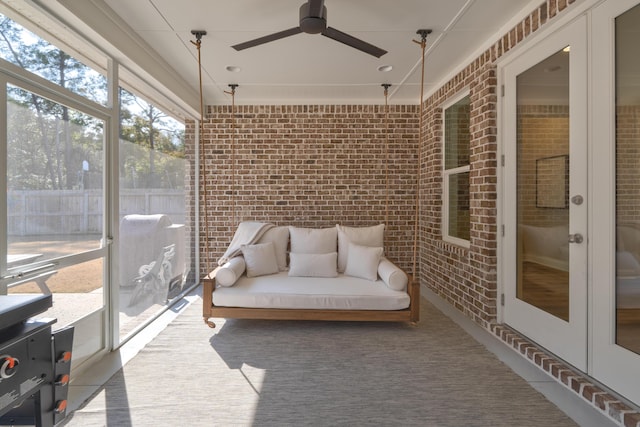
x: 282, y: 291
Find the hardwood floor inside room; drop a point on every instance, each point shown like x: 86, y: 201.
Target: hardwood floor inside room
x: 548, y: 289
x: 628, y: 328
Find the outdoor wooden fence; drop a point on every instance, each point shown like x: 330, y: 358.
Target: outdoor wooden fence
x: 67, y: 212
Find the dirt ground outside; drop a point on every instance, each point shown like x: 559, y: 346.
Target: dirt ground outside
x: 77, y: 289
x: 79, y: 278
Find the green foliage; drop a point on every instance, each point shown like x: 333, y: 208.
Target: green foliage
x: 49, y: 145
x: 153, y: 157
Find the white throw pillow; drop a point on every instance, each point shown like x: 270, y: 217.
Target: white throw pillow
x: 313, y: 240
x: 365, y: 236
x: 392, y: 275
x: 230, y: 272
x: 280, y: 238
x: 313, y: 265
x: 363, y: 262
x: 260, y: 259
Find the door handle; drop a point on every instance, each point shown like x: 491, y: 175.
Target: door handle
x: 576, y: 238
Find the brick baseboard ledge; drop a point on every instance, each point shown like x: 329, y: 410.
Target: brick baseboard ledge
x: 595, y: 394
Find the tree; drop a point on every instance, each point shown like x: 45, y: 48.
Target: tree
x: 53, y: 120
x: 48, y: 141
x: 147, y: 126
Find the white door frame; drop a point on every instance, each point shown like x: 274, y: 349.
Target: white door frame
x: 613, y: 365
x: 569, y: 339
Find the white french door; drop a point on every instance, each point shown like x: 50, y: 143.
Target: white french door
x: 615, y: 177
x: 571, y: 193
x: 545, y: 198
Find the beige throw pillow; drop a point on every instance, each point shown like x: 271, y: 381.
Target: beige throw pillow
x: 313, y: 265
x: 260, y: 259
x: 280, y: 238
x: 366, y: 236
x: 313, y: 240
x: 363, y: 262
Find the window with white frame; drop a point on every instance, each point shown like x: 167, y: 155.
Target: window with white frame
x: 456, y: 225
x: 60, y: 182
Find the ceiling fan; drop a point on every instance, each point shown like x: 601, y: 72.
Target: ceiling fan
x: 313, y: 20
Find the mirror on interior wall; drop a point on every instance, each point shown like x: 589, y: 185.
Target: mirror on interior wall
x: 552, y: 182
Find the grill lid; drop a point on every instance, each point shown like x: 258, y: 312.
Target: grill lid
x: 16, y: 309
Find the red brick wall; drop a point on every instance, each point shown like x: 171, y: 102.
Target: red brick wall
x: 467, y: 278
x: 310, y: 166
x: 464, y: 277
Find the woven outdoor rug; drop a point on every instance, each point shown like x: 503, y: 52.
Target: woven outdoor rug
x: 306, y: 373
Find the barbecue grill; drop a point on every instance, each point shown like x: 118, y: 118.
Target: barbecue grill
x: 35, y: 363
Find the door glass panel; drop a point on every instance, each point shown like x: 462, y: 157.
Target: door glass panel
x: 628, y: 181
x: 542, y: 185
x: 54, y: 204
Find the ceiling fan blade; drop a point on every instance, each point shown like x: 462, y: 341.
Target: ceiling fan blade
x: 315, y: 8
x: 267, y: 39
x: 345, y: 38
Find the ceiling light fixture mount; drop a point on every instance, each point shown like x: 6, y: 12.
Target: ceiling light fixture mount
x: 423, y: 35
x: 199, y: 34
x: 233, y: 87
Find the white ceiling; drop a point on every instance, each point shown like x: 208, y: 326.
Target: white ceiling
x: 312, y: 69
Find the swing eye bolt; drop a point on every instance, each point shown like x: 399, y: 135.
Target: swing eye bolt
x: 233, y: 87
x: 198, y: 34
x: 423, y: 34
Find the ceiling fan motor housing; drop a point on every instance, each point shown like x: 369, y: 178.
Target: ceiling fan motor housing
x: 312, y: 24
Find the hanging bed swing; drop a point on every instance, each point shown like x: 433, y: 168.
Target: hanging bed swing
x: 253, y: 280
